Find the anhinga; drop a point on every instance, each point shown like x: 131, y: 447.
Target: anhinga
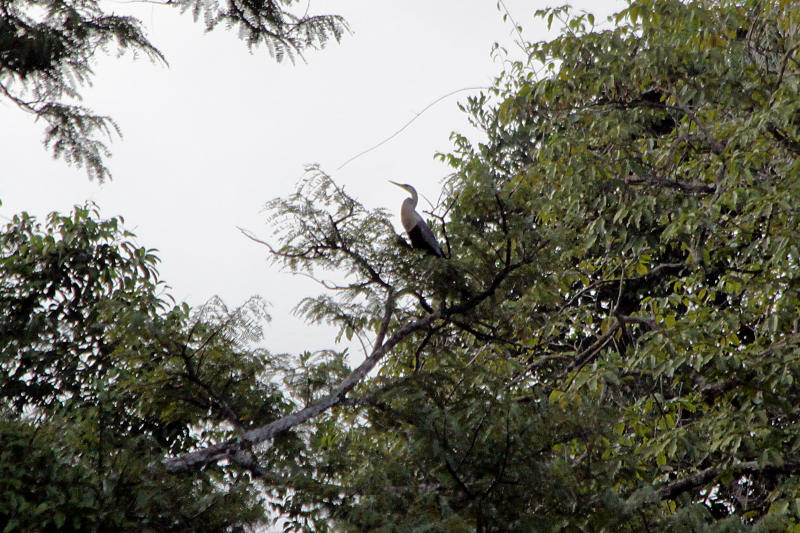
x: 418, y: 231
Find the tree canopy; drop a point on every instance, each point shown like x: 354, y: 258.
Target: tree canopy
x: 47, y: 49
x: 100, y: 375
x: 612, y: 344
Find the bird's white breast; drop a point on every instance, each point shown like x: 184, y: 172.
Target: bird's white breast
x: 408, y: 217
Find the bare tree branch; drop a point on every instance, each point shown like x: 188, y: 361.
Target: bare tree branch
x: 660, y: 181
x: 232, y: 449
x: 672, y: 490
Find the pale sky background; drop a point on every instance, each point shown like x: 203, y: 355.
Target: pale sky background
x: 208, y: 140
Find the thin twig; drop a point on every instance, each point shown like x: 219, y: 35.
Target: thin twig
x: 407, y: 124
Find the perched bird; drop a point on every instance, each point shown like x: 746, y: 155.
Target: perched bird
x: 418, y: 231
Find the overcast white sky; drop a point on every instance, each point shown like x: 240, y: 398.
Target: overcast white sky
x: 213, y: 136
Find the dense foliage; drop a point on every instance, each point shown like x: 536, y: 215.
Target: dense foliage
x: 614, y: 342
x: 47, y: 50
x: 100, y: 376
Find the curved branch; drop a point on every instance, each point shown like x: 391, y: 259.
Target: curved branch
x: 672, y: 490
x: 232, y: 449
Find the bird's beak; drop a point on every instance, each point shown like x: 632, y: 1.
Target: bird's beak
x: 398, y: 184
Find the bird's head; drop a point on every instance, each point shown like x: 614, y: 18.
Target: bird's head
x: 405, y: 186
x: 411, y: 190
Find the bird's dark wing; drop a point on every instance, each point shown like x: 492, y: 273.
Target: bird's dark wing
x: 423, y: 238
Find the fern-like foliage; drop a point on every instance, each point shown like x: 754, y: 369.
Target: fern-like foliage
x: 324, y: 231
x: 269, y: 23
x: 47, y: 48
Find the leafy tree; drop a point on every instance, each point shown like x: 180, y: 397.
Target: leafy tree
x: 47, y: 47
x: 100, y: 376
x: 614, y: 342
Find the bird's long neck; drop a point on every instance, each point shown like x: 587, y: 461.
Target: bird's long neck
x: 408, y: 217
x: 414, y: 199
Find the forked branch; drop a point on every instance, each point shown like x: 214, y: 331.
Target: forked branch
x: 234, y: 448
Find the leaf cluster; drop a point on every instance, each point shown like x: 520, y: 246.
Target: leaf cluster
x: 269, y: 23
x: 47, y: 49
